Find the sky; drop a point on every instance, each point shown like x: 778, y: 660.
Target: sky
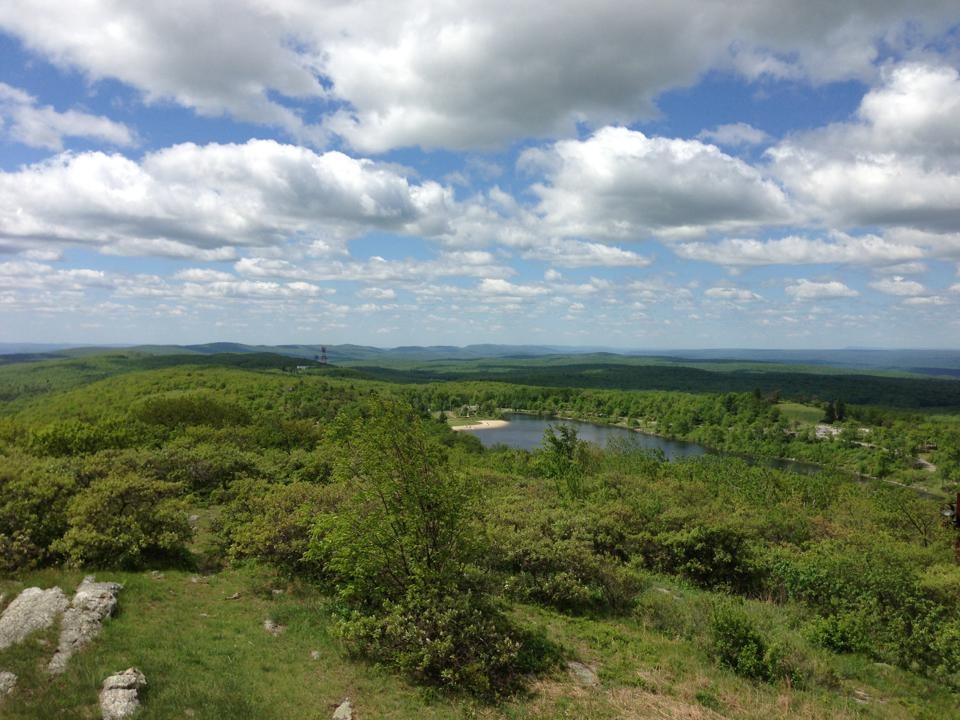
x: 657, y: 174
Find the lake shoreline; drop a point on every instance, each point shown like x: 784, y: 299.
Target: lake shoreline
x: 481, y: 425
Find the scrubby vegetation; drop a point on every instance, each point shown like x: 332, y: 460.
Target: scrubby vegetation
x: 476, y: 571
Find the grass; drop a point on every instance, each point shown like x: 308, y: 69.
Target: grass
x: 803, y: 414
x: 207, y: 656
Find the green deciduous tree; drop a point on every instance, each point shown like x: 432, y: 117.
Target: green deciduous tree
x: 401, y: 553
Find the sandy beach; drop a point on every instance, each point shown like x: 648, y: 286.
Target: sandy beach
x: 482, y: 425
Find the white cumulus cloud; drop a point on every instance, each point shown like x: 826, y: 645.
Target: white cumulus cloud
x: 210, y: 198
x: 619, y: 183
x: 467, y: 74
x: 28, y: 122
x: 803, y: 289
x: 897, y: 285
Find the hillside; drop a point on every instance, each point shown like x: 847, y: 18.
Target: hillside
x: 227, y: 490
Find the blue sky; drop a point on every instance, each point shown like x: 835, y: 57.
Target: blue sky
x: 673, y: 174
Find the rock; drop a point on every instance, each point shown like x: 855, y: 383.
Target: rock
x: 92, y: 603
x: 119, y: 697
x: 584, y: 675
x: 344, y: 711
x: 33, y: 609
x: 8, y: 681
x: 194, y: 521
x: 668, y: 593
x: 273, y: 628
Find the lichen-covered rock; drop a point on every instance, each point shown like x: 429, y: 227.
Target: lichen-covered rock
x: 273, y: 627
x: 583, y: 674
x: 344, y: 711
x: 119, y: 696
x: 8, y: 681
x: 92, y: 602
x: 33, y: 609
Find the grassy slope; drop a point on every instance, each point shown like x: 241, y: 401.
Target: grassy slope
x: 207, y: 657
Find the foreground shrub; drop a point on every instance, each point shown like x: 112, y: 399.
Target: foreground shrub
x: 460, y: 642
x: 123, y: 521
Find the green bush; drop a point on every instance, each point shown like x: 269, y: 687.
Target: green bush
x: 842, y: 632
x: 711, y: 556
x: 459, y: 643
x: 554, y: 561
x: 738, y: 644
x: 204, y: 467
x: 76, y: 437
x: 123, y: 521
x: 273, y: 523
x: 33, y: 510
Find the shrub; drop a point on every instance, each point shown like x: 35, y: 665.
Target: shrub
x: 76, y: 437
x: 554, y: 560
x: 33, y: 510
x: 666, y: 612
x: 842, y: 632
x: 123, y: 521
x: 459, y: 643
x: 205, y: 467
x: 273, y: 523
x: 712, y: 557
x: 738, y: 644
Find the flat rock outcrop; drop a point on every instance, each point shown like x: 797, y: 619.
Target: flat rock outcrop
x: 92, y: 602
x: 33, y: 609
x: 120, y: 694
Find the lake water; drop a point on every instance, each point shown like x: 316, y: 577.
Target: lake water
x: 526, y: 433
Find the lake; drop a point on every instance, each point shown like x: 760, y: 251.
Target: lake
x: 526, y: 433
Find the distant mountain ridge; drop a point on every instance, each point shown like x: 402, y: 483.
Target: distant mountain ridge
x: 936, y: 362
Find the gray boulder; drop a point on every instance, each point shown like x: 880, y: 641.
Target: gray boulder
x: 33, y: 609
x: 92, y: 603
x: 584, y: 675
x: 119, y: 696
x: 274, y: 628
x: 8, y: 681
x: 344, y: 711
